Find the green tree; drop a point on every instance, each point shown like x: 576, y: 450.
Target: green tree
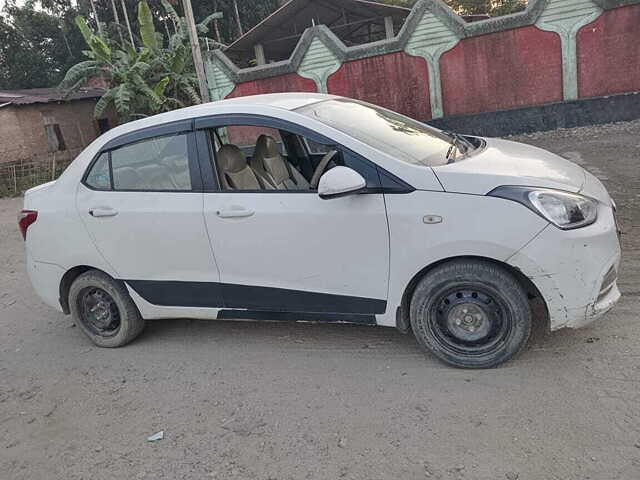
x: 16, y: 63
x: 36, y: 47
x: 39, y: 40
x: 495, y: 8
x: 251, y: 13
x: 158, y: 76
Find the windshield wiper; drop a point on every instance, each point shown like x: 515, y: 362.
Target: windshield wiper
x: 457, y: 141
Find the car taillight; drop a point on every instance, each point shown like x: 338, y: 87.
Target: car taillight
x: 25, y: 219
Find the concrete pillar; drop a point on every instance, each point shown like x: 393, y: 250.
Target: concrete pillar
x: 318, y: 63
x: 566, y: 18
x: 388, y: 27
x: 430, y: 39
x: 260, y: 58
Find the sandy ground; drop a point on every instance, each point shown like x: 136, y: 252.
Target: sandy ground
x: 293, y: 401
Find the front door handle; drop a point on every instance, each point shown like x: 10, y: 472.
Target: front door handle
x: 103, y: 212
x: 234, y: 211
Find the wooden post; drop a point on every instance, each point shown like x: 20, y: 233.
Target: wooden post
x: 126, y: 19
x: 235, y: 6
x: 388, y: 27
x: 95, y: 14
x: 82, y: 140
x: 116, y: 17
x: 215, y: 22
x: 260, y: 58
x: 53, y: 167
x: 195, y: 50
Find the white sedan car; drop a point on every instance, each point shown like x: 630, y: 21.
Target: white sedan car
x: 323, y: 208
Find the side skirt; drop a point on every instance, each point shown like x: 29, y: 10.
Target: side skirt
x: 297, y: 317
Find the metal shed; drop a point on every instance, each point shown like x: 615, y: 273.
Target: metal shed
x: 354, y: 22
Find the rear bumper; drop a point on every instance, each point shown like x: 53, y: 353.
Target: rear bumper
x: 46, y: 278
x: 575, y: 270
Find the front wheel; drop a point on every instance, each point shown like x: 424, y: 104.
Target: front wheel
x: 471, y: 314
x: 103, y: 309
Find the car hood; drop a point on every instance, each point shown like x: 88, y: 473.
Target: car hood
x: 503, y: 162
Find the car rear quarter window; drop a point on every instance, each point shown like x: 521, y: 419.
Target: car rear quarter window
x: 156, y: 164
x: 99, y: 177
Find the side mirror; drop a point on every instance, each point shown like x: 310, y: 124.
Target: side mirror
x: 340, y: 182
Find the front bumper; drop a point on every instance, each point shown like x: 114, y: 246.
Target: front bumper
x: 574, y: 270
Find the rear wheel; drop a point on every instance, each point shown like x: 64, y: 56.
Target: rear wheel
x: 471, y: 314
x: 103, y: 309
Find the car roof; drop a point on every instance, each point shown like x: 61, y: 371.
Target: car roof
x: 287, y: 101
x: 282, y: 101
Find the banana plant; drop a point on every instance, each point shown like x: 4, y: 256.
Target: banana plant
x: 177, y: 62
x: 126, y: 70
x: 156, y: 77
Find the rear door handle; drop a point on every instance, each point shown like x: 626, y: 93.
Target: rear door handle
x: 234, y: 211
x: 103, y: 212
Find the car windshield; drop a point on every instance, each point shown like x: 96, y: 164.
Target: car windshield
x: 392, y: 133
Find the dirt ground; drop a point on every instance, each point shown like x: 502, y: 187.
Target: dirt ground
x: 241, y: 400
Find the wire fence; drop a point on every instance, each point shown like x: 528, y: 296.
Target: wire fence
x: 20, y: 175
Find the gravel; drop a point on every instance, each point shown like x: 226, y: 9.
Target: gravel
x: 239, y: 400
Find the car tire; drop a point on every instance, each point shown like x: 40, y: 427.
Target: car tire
x: 104, y: 310
x: 471, y: 314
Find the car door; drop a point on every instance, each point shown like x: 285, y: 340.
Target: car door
x: 290, y: 250
x: 141, y: 201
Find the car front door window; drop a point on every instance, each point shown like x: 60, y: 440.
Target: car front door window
x: 260, y: 160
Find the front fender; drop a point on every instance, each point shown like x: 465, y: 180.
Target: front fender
x: 472, y: 225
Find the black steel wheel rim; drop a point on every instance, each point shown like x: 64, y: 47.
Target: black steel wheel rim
x: 469, y: 320
x: 99, y: 312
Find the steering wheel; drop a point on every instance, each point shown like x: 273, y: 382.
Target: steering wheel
x: 315, y: 180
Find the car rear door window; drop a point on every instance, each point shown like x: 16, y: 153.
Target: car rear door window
x: 156, y: 164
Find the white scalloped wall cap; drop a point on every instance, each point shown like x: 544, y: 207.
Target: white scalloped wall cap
x: 288, y: 101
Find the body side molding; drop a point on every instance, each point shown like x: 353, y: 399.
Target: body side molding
x: 232, y: 296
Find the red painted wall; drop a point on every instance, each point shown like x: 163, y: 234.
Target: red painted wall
x: 291, y: 82
x: 396, y: 81
x: 609, y: 53
x: 247, y: 136
x: 509, y: 69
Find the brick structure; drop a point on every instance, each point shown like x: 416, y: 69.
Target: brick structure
x: 35, y: 123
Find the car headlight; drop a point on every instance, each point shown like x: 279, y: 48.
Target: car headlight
x: 565, y: 210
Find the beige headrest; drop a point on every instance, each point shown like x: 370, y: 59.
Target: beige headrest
x: 231, y: 159
x: 266, y: 146
x: 267, y: 158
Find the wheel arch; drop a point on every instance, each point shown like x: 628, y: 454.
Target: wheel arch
x: 403, y: 321
x: 67, y: 280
